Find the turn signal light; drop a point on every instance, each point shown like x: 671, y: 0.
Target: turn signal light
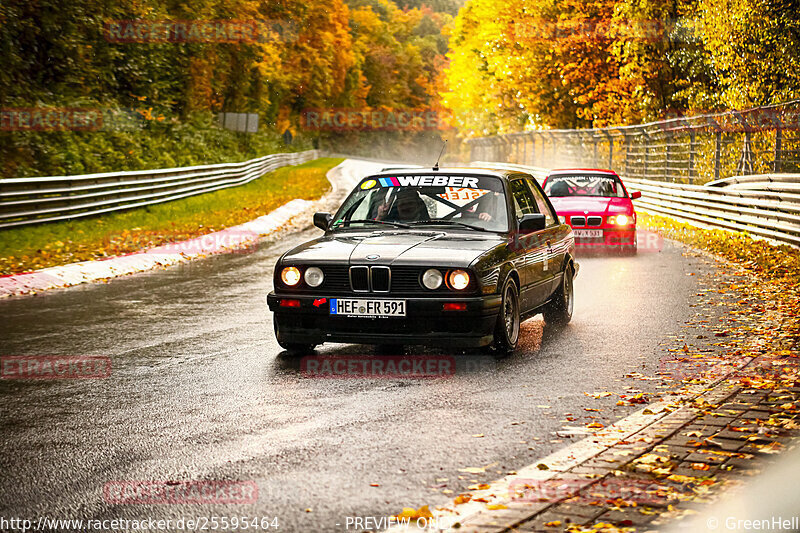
x: 290, y: 303
x: 455, y: 306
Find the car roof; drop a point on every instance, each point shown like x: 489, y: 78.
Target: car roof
x: 556, y: 171
x: 461, y: 171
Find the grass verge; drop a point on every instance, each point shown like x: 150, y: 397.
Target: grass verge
x: 60, y: 243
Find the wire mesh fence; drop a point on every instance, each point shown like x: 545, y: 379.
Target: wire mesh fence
x: 683, y: 149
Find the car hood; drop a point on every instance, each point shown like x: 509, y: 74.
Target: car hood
x: 594, y: 205
x: 424, y: 248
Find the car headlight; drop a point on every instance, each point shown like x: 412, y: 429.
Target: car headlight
x: 290, y: 276
x: 432, y: 279
x: 459, y: 279
x: 621, y: 220
x: 314, y: 276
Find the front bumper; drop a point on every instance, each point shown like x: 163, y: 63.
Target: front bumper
x: 425, y: 322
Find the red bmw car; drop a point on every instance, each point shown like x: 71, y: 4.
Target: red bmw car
x: 595, y: 203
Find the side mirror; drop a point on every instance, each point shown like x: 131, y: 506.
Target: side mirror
x: 636, y: 194
x: 322, y: 220
x: 531, y: 223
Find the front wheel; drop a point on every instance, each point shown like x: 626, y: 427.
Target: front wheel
x: 506, y: 331
x: 297, y: 348
x: 558, y: 311
x: 294, y: 348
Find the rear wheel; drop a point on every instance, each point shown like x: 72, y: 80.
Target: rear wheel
x: 506, y: 331
x: 558, y: 311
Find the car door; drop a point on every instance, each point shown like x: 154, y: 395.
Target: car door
x: 530, y: 250
x: 555, y: 238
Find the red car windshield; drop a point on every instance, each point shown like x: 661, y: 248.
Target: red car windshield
x: 607, y: 186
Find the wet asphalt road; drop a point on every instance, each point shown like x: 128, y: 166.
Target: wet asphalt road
x: 200, y: 390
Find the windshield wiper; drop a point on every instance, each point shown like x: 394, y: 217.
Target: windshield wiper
x: 386, y: 222
x: 450, y: 223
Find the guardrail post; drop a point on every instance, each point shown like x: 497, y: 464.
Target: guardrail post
x: 532, y: 160
x: 717, y: 150
x: 523, y: 139
x: 627, y: 139
x: 776, y: 162
x: 668, y: 156
x: 746, y: 161
x: 691, y: 156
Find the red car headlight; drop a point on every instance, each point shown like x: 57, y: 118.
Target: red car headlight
x: 620, y: 220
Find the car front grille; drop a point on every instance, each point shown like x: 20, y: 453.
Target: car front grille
x: 578, y: 221
x: 359, y: 278
x: 595, y: 221
x: 381, y: 278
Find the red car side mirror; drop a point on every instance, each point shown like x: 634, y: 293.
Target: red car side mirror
x: 636, y: 194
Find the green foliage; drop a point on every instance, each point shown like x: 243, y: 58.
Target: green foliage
x: 319, y: 54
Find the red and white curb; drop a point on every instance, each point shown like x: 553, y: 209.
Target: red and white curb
x: 342, y: 178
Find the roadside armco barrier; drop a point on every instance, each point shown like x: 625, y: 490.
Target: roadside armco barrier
x: 25, y: 201
x: 766, y: 205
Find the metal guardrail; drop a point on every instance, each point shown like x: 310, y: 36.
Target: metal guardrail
x: 26, y: 201
x: 685, y: 149
x: 759, y: 209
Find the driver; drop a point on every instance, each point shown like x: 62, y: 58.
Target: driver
x: 408, y: 207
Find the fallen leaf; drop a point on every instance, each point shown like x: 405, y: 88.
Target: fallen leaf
x: 462, y: 498
x: 413, y: 514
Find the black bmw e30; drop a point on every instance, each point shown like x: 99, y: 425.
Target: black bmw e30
x: 453, y: 257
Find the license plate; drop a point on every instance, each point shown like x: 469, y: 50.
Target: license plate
x: 587, y: 233
x: 367, y: 308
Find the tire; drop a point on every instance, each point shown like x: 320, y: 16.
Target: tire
x: 628, y: 249
x: 297, y: 348
x: 506, y: 331
x: 294, y: 348
x: 390, y: 349
x: 558, y: 311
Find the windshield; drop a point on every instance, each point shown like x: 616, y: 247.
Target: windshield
x: 584, y: 185
x: 475, y: 202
